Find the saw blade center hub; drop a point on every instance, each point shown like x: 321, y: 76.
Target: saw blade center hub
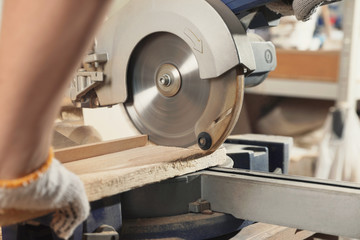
x: 165, y: 80
x: 168, y: 80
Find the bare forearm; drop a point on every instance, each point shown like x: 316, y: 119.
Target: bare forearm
x: 41, y: 43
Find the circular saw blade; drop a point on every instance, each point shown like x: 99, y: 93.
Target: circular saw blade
x: 170, y: 103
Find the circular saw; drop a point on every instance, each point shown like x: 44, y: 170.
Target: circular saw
x: 178, y: 68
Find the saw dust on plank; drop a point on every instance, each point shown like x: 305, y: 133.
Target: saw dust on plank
x: 117, y: 166
x: 118, y: 172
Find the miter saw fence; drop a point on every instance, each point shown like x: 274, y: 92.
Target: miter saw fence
x: 178, y: 68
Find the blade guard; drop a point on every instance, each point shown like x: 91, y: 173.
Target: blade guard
x: 216, y: 36
x: 221, y: 115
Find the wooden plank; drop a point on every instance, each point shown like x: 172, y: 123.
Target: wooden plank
x: 262, y: 231
x: 96, y: 149
x: 122, y: 171
x: 113, y: 173
x: 307, y: 65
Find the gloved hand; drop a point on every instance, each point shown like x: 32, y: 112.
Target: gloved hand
x: 52, y: 187
x: 302, y: 9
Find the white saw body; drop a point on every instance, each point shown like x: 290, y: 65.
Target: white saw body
x: 176, y: 69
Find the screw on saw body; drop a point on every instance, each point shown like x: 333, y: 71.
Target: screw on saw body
x: 204, y: 141
x: 165, y: 80
x: 268, y: 56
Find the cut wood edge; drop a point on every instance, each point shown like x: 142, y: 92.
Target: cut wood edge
x: 108, y: 183
x: 96, y: 149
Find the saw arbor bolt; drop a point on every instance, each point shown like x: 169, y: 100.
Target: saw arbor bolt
x: 204, y: 141
x: 165, y: 80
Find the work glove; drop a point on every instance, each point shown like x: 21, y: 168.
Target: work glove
x: 53, y: 188
x: 302, y: 9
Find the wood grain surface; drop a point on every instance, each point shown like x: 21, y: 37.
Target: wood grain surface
x: 320, y: 66
x: 114, y: 173
x: 96, y: 149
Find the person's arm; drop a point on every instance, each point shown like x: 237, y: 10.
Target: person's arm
x: 41, y: 43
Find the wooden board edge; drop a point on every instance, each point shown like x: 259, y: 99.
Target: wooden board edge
x: 110, y: 183
x: 309, y: 52
x: 96, y: 149
x: 14, y: 216
x: 303, y: 78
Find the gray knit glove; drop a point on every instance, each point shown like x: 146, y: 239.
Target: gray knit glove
x: 302, y: 9
x: 51, y: 188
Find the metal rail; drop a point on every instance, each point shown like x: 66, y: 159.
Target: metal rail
x: 298, y: 202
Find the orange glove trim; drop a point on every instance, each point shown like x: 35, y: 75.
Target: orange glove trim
x: 23, y: 181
